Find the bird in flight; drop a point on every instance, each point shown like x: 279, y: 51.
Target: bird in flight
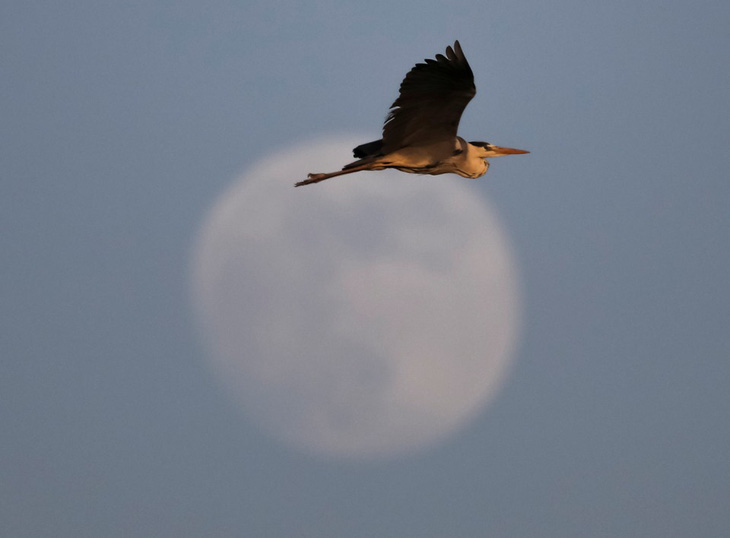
x: 419, y: 135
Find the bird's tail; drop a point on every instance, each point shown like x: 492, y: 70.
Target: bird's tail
x: 368, y: 150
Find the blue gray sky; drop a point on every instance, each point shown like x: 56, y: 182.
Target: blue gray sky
x: 122, y: 123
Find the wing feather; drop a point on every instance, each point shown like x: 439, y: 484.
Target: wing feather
x: 433, y: 95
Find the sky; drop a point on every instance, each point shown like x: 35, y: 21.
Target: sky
x: 123, y: 123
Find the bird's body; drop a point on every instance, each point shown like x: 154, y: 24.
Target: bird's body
x: 419, y: 135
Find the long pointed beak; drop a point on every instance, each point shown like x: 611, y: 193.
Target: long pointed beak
x: 507, y: 151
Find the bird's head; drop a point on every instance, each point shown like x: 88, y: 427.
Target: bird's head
x: 486, y: 150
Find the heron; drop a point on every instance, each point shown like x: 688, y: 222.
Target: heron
x: 419, y: 134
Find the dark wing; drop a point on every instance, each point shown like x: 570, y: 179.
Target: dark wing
x: 433, y: 96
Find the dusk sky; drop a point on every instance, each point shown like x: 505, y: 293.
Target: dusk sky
x: 124, y: 125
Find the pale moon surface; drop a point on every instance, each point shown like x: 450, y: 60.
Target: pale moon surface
x: 362, y: 317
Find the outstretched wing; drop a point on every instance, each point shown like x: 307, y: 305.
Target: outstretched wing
x: 433, y: 96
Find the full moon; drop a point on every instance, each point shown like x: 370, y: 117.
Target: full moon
x: 363, y: 317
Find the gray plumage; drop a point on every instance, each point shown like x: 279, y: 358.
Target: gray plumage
x: 419, y: 134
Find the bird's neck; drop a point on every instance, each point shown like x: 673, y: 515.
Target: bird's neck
x: 474, y: 165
